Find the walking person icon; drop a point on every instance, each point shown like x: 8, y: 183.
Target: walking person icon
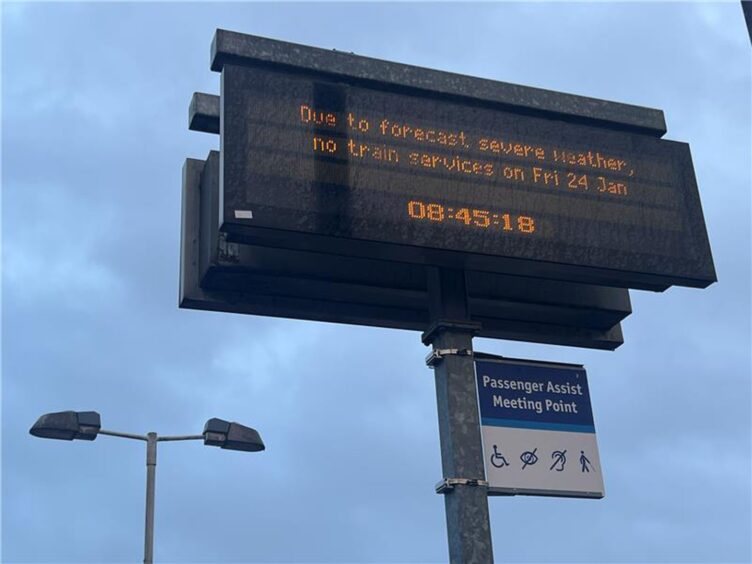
x: 586, y: 464
x: 497, y: 459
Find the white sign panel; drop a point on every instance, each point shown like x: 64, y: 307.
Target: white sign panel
x: 538, y: 430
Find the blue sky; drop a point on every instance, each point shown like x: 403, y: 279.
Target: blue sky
x: 94, y: 134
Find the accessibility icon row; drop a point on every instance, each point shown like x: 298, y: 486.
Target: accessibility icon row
x: 530, y: 458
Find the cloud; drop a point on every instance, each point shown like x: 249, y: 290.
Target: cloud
x: 94, y: 134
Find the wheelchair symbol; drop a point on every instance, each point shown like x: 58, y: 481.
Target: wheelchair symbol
x: 497, y: 459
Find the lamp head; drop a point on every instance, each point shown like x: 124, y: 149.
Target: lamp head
x: 232, y: 436
x: 68, y: 425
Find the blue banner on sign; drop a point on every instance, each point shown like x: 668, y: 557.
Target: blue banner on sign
x: 534, y: 396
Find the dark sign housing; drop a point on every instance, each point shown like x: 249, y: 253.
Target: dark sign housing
x: 339, y: 154
x: 240, y: 278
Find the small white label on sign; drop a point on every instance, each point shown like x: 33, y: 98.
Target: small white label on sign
x: 243, y: 214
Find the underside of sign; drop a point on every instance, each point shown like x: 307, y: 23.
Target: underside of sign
x: 222, y: 276
x: 338, y: 154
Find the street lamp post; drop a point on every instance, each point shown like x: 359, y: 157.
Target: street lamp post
x: 86, y: 425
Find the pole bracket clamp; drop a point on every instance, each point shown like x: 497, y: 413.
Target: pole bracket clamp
x: 437, y: 355
x: 448, y: 484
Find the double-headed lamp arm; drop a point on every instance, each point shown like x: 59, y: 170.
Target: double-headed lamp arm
x: 86, y: 425
x: 145, y: 438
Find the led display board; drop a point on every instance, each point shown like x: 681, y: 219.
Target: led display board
x: 336, y: 165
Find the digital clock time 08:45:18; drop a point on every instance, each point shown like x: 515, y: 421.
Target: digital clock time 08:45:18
x: 483, y: 219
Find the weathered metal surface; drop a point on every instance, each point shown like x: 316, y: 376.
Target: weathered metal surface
x: 203, y: 113
x: 468, y: 525
x: 236, y: 48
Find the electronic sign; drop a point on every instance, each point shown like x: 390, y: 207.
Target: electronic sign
x: 351, y: 167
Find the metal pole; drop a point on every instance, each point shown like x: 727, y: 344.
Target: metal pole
x: 122, y: 435
x: 151, y: 469
x: 466, y: 504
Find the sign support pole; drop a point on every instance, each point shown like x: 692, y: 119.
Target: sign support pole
x: 465, y: 489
